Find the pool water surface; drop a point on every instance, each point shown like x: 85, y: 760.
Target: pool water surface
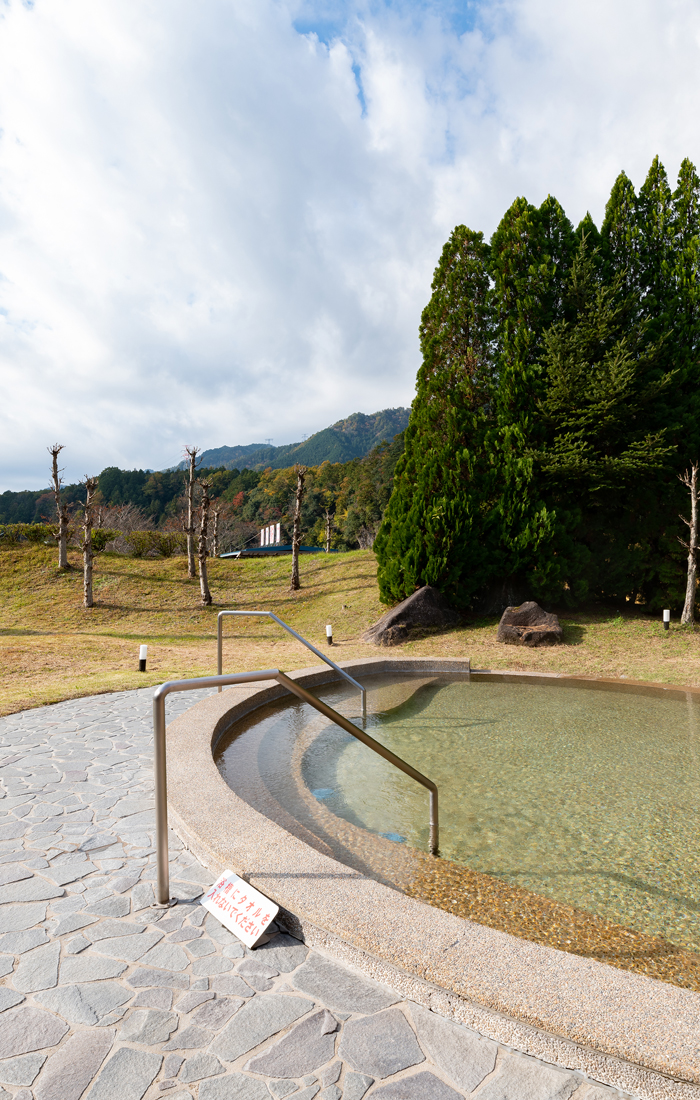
x: 582, y: 795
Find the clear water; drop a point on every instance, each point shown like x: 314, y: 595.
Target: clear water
x: 586, y: 796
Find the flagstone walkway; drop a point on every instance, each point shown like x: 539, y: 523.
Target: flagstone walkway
x: 105, y: 998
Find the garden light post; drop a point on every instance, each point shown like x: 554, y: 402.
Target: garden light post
x: 143, y: 654
x: 667, y: 619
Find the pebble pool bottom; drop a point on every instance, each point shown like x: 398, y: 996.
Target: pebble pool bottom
x: 584, y: 795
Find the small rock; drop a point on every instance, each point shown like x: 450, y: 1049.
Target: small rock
x: 193, y: 999
x: 256, y: 1021
x: 156, y: 998
x: 231, y: 983
x: 72, y: 923
x: 198, y: 948
x: 330, y: 1074
x: 234, y: 1086
x: 17, y: 918
x: 463, y: 1055
x: 141, y: 896
x: 26, y: 1029
x: 126, y: 1076
x: 166, y: 956
x: 90, y: 969
x: 8, y: 998
x: 71, y: 1069
x: 333, y: 985
x: 426, y: 1084
x: 148, y: 1026
x: 16, y: 943
x: 32, y: 889
x: 529, y: 625
x: 144, y: 977
x: 22, y: 1070
x: 355, y: 1085
x: 308, y: 1045
x: 200, y: 1066
x: 214, y: 1014
x: 112, y: 929
x: 172, y: 1064
x: 129, y: 948
x: 380, y: 1045
x: 424, y: 610
x: 189, y: 1039
x: 518, y: 1076
x: 280, y: 1089
x: 110, y: 907
x: 38, y: 969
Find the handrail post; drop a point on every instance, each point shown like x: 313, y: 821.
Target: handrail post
x: 163, y: 899
x: 285, y: 626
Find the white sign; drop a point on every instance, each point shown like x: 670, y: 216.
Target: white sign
x: 240, y: 907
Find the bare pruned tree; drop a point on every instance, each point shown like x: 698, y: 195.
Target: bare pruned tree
x: 90, y: 484
x: 329, y: 518
x: 215, y: 537
x: 300, y: 471
x: 202, y: 544
x: 690, y: 479
x: 61, y: 508
x: 188, y: 526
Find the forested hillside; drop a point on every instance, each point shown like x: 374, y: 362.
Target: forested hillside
x: 353, y: 494
x: 350, y: 438
x: 557, y: 404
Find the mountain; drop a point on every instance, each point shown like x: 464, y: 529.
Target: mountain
x: 353, y: 437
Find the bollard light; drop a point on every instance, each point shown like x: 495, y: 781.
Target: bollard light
x: 143, y: 653
x: 667, y: 619
x: 329, y: 634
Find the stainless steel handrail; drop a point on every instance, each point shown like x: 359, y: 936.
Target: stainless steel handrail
x: 285, y: 626
x: 163, y: 899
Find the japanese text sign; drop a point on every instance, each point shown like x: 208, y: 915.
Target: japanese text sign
x: 240, y: 907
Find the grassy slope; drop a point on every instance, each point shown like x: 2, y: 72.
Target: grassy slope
x: 53, y: 649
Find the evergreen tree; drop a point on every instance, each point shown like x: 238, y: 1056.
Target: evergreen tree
x: 558, y: 399
x: 442, y: 484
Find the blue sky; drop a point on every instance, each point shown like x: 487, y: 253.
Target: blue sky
x: 219, y: 221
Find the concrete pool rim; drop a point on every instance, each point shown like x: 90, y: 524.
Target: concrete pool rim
x: 635, y: 1033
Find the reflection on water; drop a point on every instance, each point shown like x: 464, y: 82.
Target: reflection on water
x: 588, y: 797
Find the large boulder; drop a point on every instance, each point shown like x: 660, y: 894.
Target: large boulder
x: 529, y: 625
x: 425, y: 610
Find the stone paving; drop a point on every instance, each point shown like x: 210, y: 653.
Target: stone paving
x: 103, y: 997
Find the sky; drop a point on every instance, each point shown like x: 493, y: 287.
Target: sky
x: 219, y: 220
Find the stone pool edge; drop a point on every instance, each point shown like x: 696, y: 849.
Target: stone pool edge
x: 635, y: 1033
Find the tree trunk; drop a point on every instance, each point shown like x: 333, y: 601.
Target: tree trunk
x: 215, y: 540
x: 90, y: 487
x: 191, y: 453
x: 329, y: 529
x: 202, y: 545
x: 61, y: 509
x: 691, y: 480
x: 296, y: 532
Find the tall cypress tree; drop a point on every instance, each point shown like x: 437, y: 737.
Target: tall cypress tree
x: 435, y: 518
x: 603, y: 385
x: 558, y: 398
x: 531, y: 254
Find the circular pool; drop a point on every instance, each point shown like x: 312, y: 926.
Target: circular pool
x: 573, y: 792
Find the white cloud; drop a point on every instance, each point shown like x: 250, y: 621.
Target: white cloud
x: 205, y: 238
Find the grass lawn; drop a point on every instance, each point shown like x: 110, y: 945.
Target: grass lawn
x: 53, y: 649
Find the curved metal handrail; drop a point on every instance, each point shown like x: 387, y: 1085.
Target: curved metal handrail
x: 163, y: 899
x: 285, y: 626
